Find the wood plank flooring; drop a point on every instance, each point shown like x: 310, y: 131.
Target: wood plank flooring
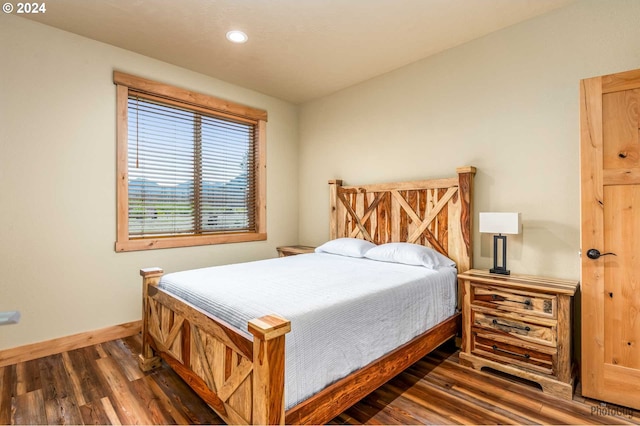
x: 102, y: 384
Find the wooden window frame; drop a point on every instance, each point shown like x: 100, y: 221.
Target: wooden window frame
x: 215, y: 106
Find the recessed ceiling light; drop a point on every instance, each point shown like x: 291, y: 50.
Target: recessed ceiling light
x: 237, y: 36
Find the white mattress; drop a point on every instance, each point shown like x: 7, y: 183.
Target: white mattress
x: 344, y: 312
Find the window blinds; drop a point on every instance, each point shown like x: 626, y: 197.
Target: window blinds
x: 189, y: 172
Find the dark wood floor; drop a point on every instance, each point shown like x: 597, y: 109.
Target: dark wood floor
x: 101, y: 384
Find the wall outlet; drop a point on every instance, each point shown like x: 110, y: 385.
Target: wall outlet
x: 10, y: 317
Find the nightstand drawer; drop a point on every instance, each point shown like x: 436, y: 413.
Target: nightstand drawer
x: 513, y: 301
x: 536, y: 333
x: 509, y: 354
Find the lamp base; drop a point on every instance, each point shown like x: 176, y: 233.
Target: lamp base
x: 503, y: 268
x: 502, y: 271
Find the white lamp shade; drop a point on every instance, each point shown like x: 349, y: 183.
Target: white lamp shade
x: 500, y: 223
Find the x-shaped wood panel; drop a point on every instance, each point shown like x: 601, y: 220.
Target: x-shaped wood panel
x: 422, y: 224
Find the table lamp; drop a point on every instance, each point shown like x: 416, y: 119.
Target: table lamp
x: 500, y: 223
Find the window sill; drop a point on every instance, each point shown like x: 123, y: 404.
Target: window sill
x: 186, y: 241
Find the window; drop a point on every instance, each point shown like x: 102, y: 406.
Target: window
x: 191, y: 168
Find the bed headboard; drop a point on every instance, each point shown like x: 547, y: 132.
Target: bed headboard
x: 436, y: 213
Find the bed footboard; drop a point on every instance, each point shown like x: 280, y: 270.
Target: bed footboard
x: 241, y: 379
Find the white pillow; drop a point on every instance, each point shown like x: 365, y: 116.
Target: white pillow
x: 352, y: 247
x: 409, y: 254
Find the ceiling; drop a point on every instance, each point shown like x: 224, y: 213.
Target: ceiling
x: 298, y: 50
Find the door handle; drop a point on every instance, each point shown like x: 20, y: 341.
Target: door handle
x: 595, y: 253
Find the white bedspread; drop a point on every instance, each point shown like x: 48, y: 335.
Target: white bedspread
x: 344, y: 312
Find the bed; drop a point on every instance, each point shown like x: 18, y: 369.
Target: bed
x: 236, y: 362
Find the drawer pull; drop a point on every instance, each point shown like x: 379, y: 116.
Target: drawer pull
x: 497, y: 349
x: 525, y: 328
x: 526, y: 302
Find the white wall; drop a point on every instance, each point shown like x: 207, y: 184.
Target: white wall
x: 57, y: 183
x: 506, y: 103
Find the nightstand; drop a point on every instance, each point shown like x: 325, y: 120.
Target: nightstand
x: 520, y: 325
x: 284, y: 251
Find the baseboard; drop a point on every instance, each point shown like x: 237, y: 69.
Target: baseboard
x: 68, y: 343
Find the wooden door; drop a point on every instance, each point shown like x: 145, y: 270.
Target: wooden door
x: 610, y: 223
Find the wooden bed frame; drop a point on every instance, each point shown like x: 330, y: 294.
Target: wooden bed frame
x: 241, y: 374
